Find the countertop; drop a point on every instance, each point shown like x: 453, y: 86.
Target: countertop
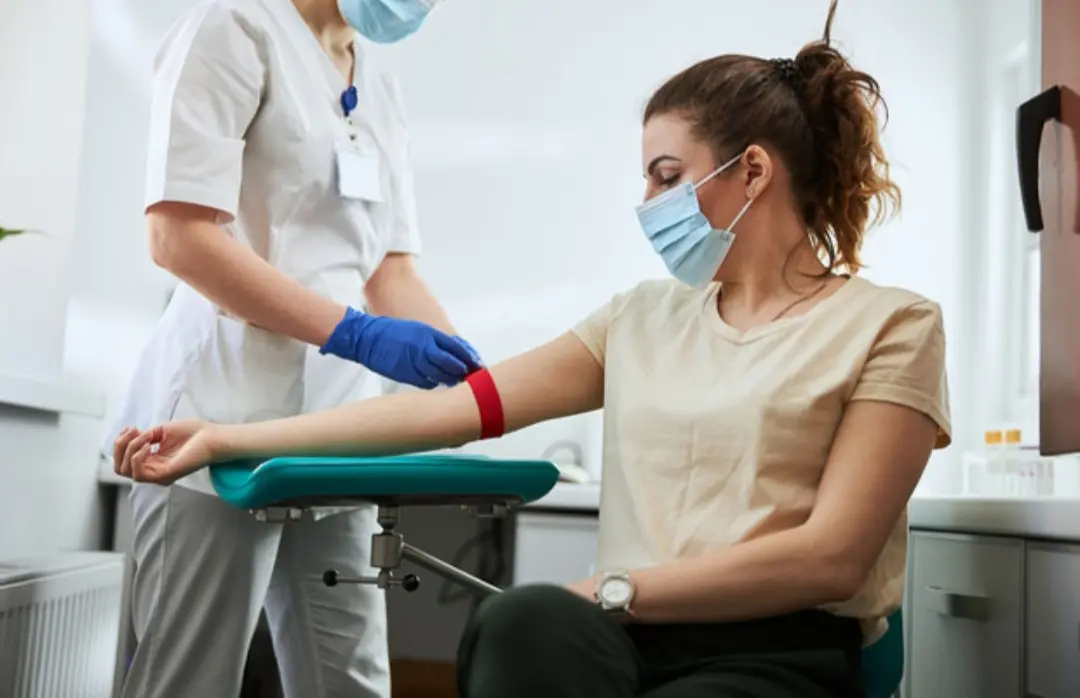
x: 570, y: 496
x: 106, y: 476
x: 1054, y: 518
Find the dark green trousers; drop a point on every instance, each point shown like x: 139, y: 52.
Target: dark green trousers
x: 543, y: 642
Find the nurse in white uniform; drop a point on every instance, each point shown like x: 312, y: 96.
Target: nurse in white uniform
x: 280, y: 195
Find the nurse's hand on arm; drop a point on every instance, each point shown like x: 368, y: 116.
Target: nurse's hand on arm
x: 556, y: 380
x: 397, y: 290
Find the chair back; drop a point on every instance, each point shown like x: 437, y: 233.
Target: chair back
x: 883, y: 661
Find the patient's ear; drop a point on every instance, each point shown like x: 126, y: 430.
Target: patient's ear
x: 757, y: 170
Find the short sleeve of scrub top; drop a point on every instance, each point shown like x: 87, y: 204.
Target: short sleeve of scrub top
x: 209, y: 80
x: 405, y: 236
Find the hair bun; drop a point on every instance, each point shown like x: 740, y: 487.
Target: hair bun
x: 788, y: 71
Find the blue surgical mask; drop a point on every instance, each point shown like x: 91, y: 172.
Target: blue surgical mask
x: 680, y: 233
x: 385, y: 21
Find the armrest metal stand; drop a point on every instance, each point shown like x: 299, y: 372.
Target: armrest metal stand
x: 389, y: 549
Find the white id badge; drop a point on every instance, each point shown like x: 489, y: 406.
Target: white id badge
x: 358, y: 174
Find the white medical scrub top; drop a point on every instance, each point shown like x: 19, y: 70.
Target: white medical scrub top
x: 246, y: 118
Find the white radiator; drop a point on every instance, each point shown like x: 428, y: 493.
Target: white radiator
x: 60, y: 620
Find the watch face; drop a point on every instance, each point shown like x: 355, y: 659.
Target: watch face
x: 616, y: 592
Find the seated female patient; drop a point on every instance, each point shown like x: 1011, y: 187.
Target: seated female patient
x: 767, y: 413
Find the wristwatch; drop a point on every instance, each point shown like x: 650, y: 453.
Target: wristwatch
x: 615, y: 592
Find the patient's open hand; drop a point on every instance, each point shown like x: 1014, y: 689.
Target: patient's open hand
x: 165, y: 453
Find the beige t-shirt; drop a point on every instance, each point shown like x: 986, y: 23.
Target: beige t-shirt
x: 714, y: 436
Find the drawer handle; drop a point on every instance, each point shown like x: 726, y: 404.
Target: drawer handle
x: 956, y: 605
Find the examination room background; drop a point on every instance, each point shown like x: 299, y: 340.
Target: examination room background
x: 526, y: 125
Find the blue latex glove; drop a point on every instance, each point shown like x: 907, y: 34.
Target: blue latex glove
x: 402, y: 350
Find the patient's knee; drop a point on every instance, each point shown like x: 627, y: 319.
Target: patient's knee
x: 514, y: 637
x: 536, y: 603
x: 527, y: 613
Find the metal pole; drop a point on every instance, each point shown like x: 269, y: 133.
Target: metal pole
x: 434, y: 564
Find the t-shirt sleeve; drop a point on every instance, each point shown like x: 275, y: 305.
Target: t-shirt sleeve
x: 405, y: 232
x: 593, y: 330
x: 906, y: 366
x: 208, y: 82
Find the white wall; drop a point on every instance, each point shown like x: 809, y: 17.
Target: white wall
x: 49, y: 499
x: 40, y: 138
x: 1010, y: 74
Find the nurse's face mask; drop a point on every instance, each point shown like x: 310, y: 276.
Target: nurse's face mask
x: 386, y: 21
x: 680, y: 233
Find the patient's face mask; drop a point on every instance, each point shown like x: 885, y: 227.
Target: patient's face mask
x: 680, y: 233
x: 385, y: 21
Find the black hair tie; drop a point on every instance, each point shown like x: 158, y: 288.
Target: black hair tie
x: 788, y: 71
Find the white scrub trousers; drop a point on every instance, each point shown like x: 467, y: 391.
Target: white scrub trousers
x: 204, y: 571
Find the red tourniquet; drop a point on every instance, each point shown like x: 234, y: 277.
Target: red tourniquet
x: 492, y: 421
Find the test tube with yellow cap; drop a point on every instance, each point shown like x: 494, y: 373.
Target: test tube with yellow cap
x: 982, y: 472
x: 993, y: 443
x: 1015, y: 480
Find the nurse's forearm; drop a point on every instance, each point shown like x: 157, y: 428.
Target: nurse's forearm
x: 187, y: 241
x: 396, y: 289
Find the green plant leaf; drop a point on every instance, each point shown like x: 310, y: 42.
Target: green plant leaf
x: 8, y: 232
